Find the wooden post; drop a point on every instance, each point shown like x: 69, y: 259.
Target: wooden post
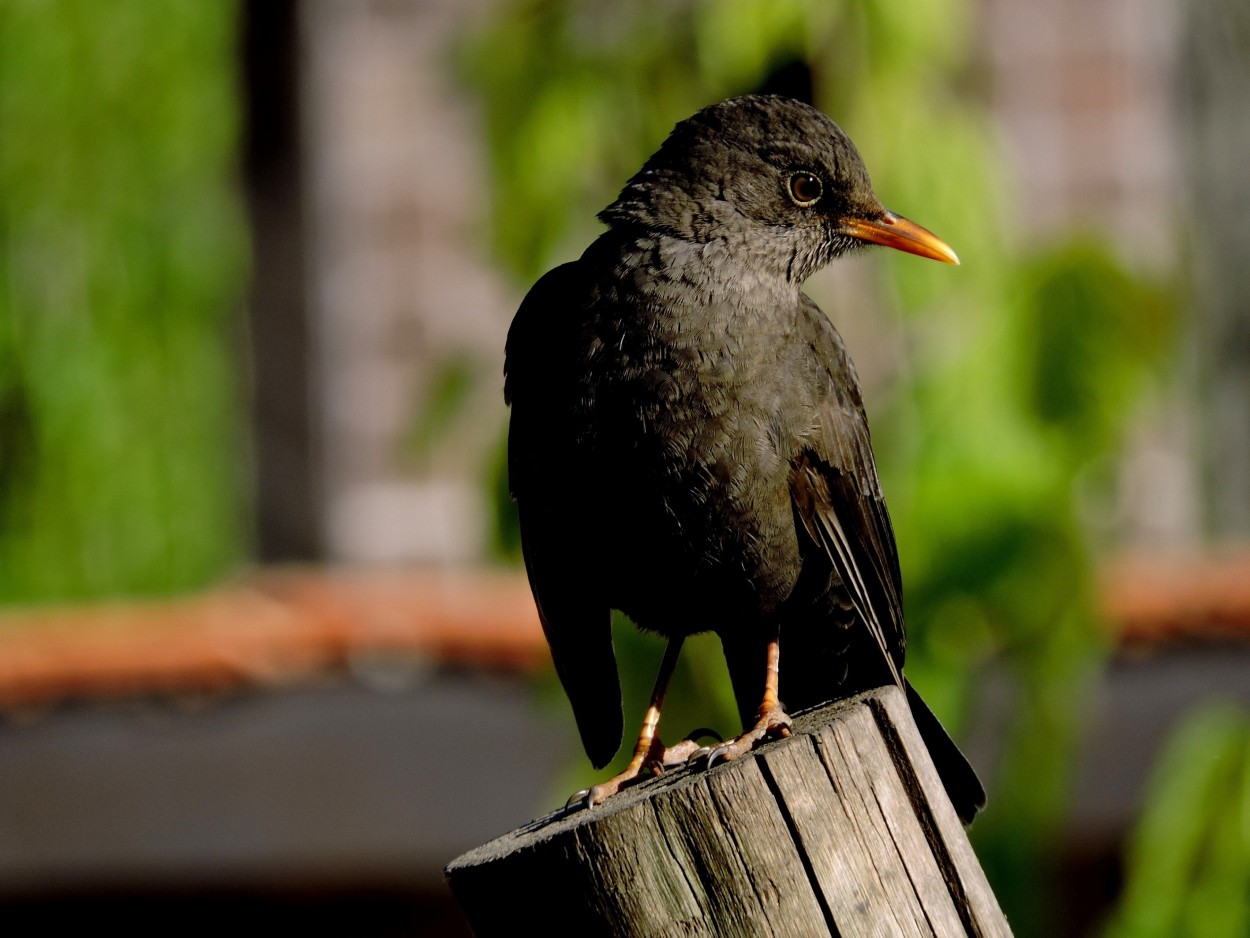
x: 843, y: 829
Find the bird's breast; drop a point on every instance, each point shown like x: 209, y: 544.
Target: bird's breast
x: 688, y: 421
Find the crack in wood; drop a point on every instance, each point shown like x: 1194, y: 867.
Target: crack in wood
x: 902, y: 855
x: 681, y: 867
x: 924, y: 814
x: 808, y: 867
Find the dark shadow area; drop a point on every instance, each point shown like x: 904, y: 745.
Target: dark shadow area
x: 367, y: 912
x: 285, y: 501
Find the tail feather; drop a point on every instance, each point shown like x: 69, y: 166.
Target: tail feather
x: 960, y: 779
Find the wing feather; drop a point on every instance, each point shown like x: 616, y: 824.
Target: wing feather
x: 837, y: 497
x: 545, y: 474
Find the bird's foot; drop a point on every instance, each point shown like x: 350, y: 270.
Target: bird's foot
x: 772, y: 723
x: 654, y: 762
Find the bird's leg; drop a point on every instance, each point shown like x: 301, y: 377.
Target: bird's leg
x: 649, y: 753
x: 770, y: 719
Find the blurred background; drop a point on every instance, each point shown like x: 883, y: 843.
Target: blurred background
x: 266, y: 653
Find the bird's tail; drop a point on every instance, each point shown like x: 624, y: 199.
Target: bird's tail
x: 960, y: 779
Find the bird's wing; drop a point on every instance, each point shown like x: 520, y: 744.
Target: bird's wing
x: 548, y: 479
x: 838, y: 499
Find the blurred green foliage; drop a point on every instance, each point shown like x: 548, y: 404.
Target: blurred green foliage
x: 1189, y: 859
x: 444, y: 402
x: 1020, y: 370
x: 122, y: 255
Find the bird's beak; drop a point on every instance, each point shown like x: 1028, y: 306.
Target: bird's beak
x: 895, y: 231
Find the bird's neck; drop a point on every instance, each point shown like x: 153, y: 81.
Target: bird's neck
x: 658, y: 267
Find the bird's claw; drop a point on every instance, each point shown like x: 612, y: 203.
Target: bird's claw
x: 682, y: 752
x: 701, y: 753
x: 773, y: 723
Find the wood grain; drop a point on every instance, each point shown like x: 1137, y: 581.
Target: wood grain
x: 843, y: 829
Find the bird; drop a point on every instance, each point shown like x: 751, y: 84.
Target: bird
x: 688, y: 443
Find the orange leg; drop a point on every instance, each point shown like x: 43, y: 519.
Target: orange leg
x: 650, y: 754
x: 770, y: 719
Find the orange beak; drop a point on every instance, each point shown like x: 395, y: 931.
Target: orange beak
x: 895, y: 231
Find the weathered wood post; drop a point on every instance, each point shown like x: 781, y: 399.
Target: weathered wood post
x: 843, y: 829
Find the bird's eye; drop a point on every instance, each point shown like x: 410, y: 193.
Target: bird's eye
x: 805, y: 189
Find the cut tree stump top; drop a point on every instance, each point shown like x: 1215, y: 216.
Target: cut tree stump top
x: 842, y: 829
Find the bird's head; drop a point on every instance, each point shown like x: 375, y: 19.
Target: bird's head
x: 775, y: 180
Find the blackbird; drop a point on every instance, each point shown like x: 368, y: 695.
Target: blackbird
x: 688, y: 443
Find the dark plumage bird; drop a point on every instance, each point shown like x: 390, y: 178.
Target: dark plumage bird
x: 688, y: 443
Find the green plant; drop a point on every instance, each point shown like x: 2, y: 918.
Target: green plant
x: 122, y: 252
x: 1188, y: 861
